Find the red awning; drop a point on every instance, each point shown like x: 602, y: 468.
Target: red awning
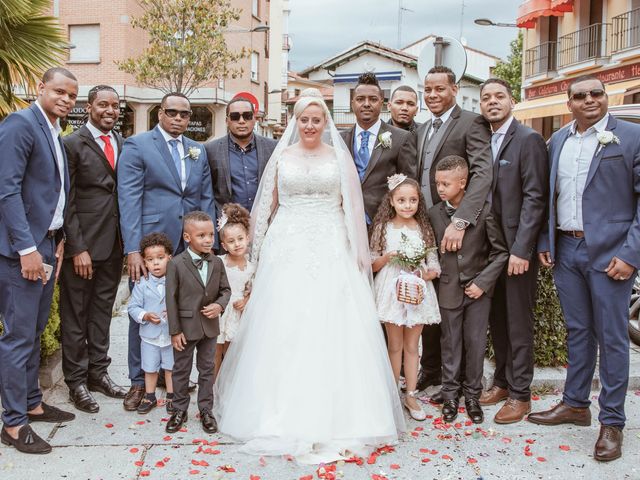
x: 531, y: 10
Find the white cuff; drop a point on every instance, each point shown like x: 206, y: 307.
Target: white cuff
x: 26, y: 251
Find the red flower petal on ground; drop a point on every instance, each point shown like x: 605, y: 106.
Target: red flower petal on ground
x: 419, y: 429
x: 375, y: 476
x: 140, y: 422
x: 565, y: 448
x: 262, y: 462
x: 446, y: 457
x: 425, y: 450
x: 472, y: 460
x: 527, y: 451
x: 145, y: 473
x: 530, y: 441
x: 183, y: 429
x: 108, y: 425
x: 372, y: 459
x: 228, y: 469
x: 214, y: 452
x: 159, y: 464
x: 166, y: 438
x: 134, y: 450
x: 541, y: 459
x: 139, y: 463
x: 434, y: 452
x: 194, y: 472
x: 306, y: 477
x: 468, y: 423
x: 254, y: 477
x: 535, y: 397
x: 426, y: 460
x: 506, y: 440
x: 166, y: 459
x: 394, y: 466
x: 203, y: 463
x: 288, y: 458
x: 415, y: 434
x: 458, y: 425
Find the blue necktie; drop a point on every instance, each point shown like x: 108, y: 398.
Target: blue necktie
x: 362, y: 157
x: 494, y: 145
x: 177, y: 161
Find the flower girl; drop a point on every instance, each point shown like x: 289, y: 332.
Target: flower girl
x: 233, y: 228
x: 404, y: 255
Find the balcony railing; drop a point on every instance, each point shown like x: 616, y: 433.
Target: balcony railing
x: 344, y: 116
x: 584, y: 44
x: 540, y: 59
x: 626, y: 31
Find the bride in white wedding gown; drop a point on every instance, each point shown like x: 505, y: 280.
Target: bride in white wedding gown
x: 308, y: 373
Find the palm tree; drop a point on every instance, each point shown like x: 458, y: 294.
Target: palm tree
x: 30, y: 42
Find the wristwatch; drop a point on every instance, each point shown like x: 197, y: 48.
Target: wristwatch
x: 459, y: 224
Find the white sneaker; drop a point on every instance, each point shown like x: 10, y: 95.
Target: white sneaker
x: 418, y: 414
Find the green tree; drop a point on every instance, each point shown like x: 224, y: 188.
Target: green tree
x: 187, y: 48
x: 30, y: 43
x: 511, y: 70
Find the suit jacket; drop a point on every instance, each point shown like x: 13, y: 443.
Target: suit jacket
x: 520, y: 188
x: 384, y: 162
x: 92, y: 220
x: 467, y: 135
x: 610, y: 205
x: 218, y: 155
x: 186, y: 296
x: 29, y: 181
x: 480, y: 260
x: 146, y: 298
x: 150, y: 193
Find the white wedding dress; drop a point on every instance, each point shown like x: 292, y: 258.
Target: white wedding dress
x: 308, y: 373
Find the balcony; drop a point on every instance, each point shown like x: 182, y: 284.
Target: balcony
x: 587, y: 44
x: 541, y: 59
x: 626, y: 31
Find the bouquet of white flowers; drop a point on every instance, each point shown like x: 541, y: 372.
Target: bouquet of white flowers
x: 410, y: 287
x: 411, y: 252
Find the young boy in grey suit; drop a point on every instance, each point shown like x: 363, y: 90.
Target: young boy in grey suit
x: 197, y: 293
x: 464, y: 289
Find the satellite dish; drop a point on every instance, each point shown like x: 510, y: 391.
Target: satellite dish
x: 445, y: 51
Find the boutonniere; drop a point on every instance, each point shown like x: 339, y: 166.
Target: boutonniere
x: 384, y: 140
x: 605, y: 138
x: 193, y: 153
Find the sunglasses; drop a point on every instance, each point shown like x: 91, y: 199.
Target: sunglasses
x: 170, y: 112
x: 235, y: 116
x: 595, y: 94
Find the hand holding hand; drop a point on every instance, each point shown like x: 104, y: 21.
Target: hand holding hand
x: 32, y: 268
x: 517, y: 265
x: 212, y: 310
x: 240, y: 304
x: 136, y: 266
x: 452, y: 239
x: 82, y: 265
x: 619, y: 270
x: 473, y: 291
x: 152, y: 318
x: 179, y: 341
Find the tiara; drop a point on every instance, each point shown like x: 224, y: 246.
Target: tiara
x: 222, y: 221
x: 394, y: 180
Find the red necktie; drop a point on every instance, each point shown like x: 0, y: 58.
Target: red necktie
x: 108, y: 150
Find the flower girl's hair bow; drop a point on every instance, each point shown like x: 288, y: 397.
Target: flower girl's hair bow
x: 222, y: 221
x: 394, y: 180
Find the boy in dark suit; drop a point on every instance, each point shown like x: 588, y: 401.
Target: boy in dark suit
x: 465, y: 287
x: 197, y: 292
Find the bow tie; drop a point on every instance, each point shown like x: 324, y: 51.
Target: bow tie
x: 450, y: 210
x: 198, y: 262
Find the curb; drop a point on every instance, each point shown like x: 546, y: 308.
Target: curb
x: 50, y: 372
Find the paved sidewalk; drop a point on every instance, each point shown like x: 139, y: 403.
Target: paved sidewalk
x: 115, y: 444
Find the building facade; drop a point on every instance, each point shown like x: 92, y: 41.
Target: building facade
x: 103, y: 36
x: 564, y: 39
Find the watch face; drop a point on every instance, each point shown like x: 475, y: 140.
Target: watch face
x: 459, y: 225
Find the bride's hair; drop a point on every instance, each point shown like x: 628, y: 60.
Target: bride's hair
x: 386, y: 213
x: 310, y: 96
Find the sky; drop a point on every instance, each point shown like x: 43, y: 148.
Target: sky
x: 320, y: 29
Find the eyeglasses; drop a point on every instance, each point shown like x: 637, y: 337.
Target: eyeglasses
x: 235, y: 116
x: 170, y: 112
x: 595, y: 94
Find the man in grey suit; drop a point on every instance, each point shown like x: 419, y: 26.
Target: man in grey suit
x: 379, y: 149
x: 237, y: 160
x: 450, y: 131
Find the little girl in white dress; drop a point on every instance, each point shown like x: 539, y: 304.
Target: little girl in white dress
x: 233, y: 228
x: 403, y: 212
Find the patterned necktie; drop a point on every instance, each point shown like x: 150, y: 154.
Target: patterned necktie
x: 362, y: 158
x: 437, y: 123
x: 108, y: 150
x: 494, y: 144
x: 177, y: 161
x: 198, y: 262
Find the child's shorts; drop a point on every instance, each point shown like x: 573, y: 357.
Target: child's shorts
x: 154, y: 357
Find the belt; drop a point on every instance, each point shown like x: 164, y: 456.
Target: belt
x: 573, y: 233
x: 52, y: 233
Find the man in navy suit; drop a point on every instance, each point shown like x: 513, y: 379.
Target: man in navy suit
x: 34, y: 185
x: 162, y: 176
x: 592, y: 240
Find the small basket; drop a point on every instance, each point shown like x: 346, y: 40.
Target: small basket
x: 410, y: 289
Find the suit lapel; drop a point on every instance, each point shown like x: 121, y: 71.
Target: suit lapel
x: 595, y: 162
x: 88, y: 139
x: 44, y: 124
x: 189, y: 162
x: 453, y: 119
x: 163, y: 149
x: 191, y: 267
x: 555, y: 158
x: 377, y: 152
x: 349, y: 141
x: 422, y: 143
x: 209, y: 268
x: 225, y: 163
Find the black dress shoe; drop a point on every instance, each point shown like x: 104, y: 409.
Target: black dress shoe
x: 474, y: 410
x: 209, y: 424
x: 107, y: 387
x: 147, y: 405
x: 83, y: 400
x: 51, y: 414
x: 425, y: 381
x: 176, y: 421
x: 133, y: 398
x: 450, y: 410
x: 28, y: 441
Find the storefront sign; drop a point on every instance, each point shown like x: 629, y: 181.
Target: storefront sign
x: 200, y: 123
x: 608, y: 76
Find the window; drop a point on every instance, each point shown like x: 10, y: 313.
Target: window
x: 474, y: 105
x: 255, y: 8
x: 255, y: 61
x: 86, y: 39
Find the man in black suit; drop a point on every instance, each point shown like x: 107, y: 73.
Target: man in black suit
x: 520, y: 179
x: 92, y: 266
x: 403, y: 106
x: 450, y: 131
x: 237, y: 160
x: 379, y: 150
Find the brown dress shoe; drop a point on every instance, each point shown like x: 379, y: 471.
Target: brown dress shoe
x: 562, y: 413
x: 609, y: 444
x: 512, y: 411
x: 494, y: 395
x: 133, y: 398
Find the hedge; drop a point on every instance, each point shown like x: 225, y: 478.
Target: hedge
x: 50, y: 339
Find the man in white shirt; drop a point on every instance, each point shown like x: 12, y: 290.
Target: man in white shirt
x: 34, y: 187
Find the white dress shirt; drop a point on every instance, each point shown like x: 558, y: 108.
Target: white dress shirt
x: 573, y: 167
x: 58, y: 215
x: 183, y: 166
x: 97, y: 133
x: 444, y: 117
x: 373, y: 130
x: 497, y: 137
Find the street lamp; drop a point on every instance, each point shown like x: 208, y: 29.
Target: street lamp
x: 485, y: 22
x: 258, y: 29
